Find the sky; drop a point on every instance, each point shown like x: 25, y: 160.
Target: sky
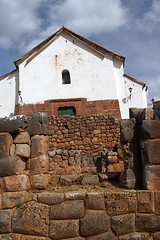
x: 130, y: 28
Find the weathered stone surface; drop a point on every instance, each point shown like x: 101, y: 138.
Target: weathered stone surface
x: 123, y: 224
x: 128, y: 179
x: 120, y: 202
x: 94, y: 222
x: 71, y: 179
x: 16, y: 183
x: 151, y: 151
x: 39, y: 146
x: 11, y: 236
x: 138, y: 114
x: 22, y: 137
x: 156, y: 108
x: 13, y: 199
x: 50, y: 198
x: 150, y: 129
x: 127, y: 129
x: 145, y: 202
x: 23, y: 150
x: 39, y: 123
x: 32, y: 218
x: 151, y: 180
x: 67, y: 210
x: 103, y: 236
x: 5, y: 144
x: 39, y: 181
x: 12, y: 150
x: 64, y: 229
x: 11, y: 166
x: 76, y: 195
x: 5, y: 221
x: 136, y: 236
x: 95, y: 201
x: 76, y: 238
x: 90, y: 180
x: 156, y: 236
x: 39, y: 164
x: 29, y: 237
x: 147, y: 223
x: 13, y: 124
x: 157, y: 202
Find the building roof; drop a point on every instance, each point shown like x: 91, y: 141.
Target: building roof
x: 135, y: 80
x: 40, y: 47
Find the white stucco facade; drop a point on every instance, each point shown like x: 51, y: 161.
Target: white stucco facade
x: 94, y: 74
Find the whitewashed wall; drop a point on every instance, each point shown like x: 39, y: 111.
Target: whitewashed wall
x: 8, y: 94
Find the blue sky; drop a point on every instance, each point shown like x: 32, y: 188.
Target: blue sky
x: 128, y: 27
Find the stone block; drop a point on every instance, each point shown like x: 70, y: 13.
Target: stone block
x: 156, y: 109
x: 12, y: 150
x: 136, y: 236
x: 39, y: 164
x: 14, y: 124
x: 138, y: 114
x: 90, y: 180
x: 103, y: 236
x: 95, y: 201
x: 16, y: 183
x: 5, y: 144
x: 94, y: 223
x: 76, y: 195
x: 67, y: 210
x: 50, y: 198
x: 147, y: 223
x: 29, y: 237
x: 39, y: 146
x: 150, y: 129
x: 76, y: 238
x: 123, y: 224
x: 156, y: 236
x: 151, y: 177
x: 11, y: 236
x: 13, y: 199
x: 128, y: 179
x: 127, y: 129
x: 39, y: 124
x: 22, y: 137
x: 11, y: 165
x: 151, y: 151
x: 23, y: 150
x: 157, y: 202
x: 64, y: 229
x: 32, y: 218
x: 39, y: 181
x: 145, y: 202
x: 71, y: 179
x: 120, y: 202
x: 5, y: 221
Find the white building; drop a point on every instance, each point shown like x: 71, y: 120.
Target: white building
x: 69, y: 73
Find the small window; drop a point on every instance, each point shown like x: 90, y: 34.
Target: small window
x: 70, y: 111
x: 66, y: 77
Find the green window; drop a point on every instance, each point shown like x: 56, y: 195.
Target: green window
x: 70, y: 111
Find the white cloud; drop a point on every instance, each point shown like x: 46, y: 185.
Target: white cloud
x: 150, y: 19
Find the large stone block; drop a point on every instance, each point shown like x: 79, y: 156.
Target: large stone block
x: 64, y: 229
x: 94, y: 222
x: 39, y: 164
x: 39, y: 146
x: 147, y: 223
x: 16, y: 183
x: 76, y: 195
x: 22, y: 137
x: 11, y: 165
x: 11, y: 236
x: 67, y: 210
x: 39, y: 181
x: 5, y: 221
x: 127, y: 129
x: 95, y: 201
x: 29, y: 237
x: 39, y: 124
x: 103, y: 236
x: 136, y: 236
x: 156, y: 108
x: 157, y: 202
x: 145, y: 201
x: 32, y: 218
x: 5, y: 144
x: 123, y: 224
x: 151, y: 151
x: 50, y: 198
x: 120, y: 202
x: 151, y: 177
x: 23, y: 150
x: 128, y: 179
x: 13, y: 199
x: 13, y: 124
x: 151, y: 129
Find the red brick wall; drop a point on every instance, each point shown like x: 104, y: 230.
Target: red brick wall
x: 83, y: 107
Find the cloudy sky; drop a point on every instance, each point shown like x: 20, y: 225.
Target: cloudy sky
x: 128, y: 27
